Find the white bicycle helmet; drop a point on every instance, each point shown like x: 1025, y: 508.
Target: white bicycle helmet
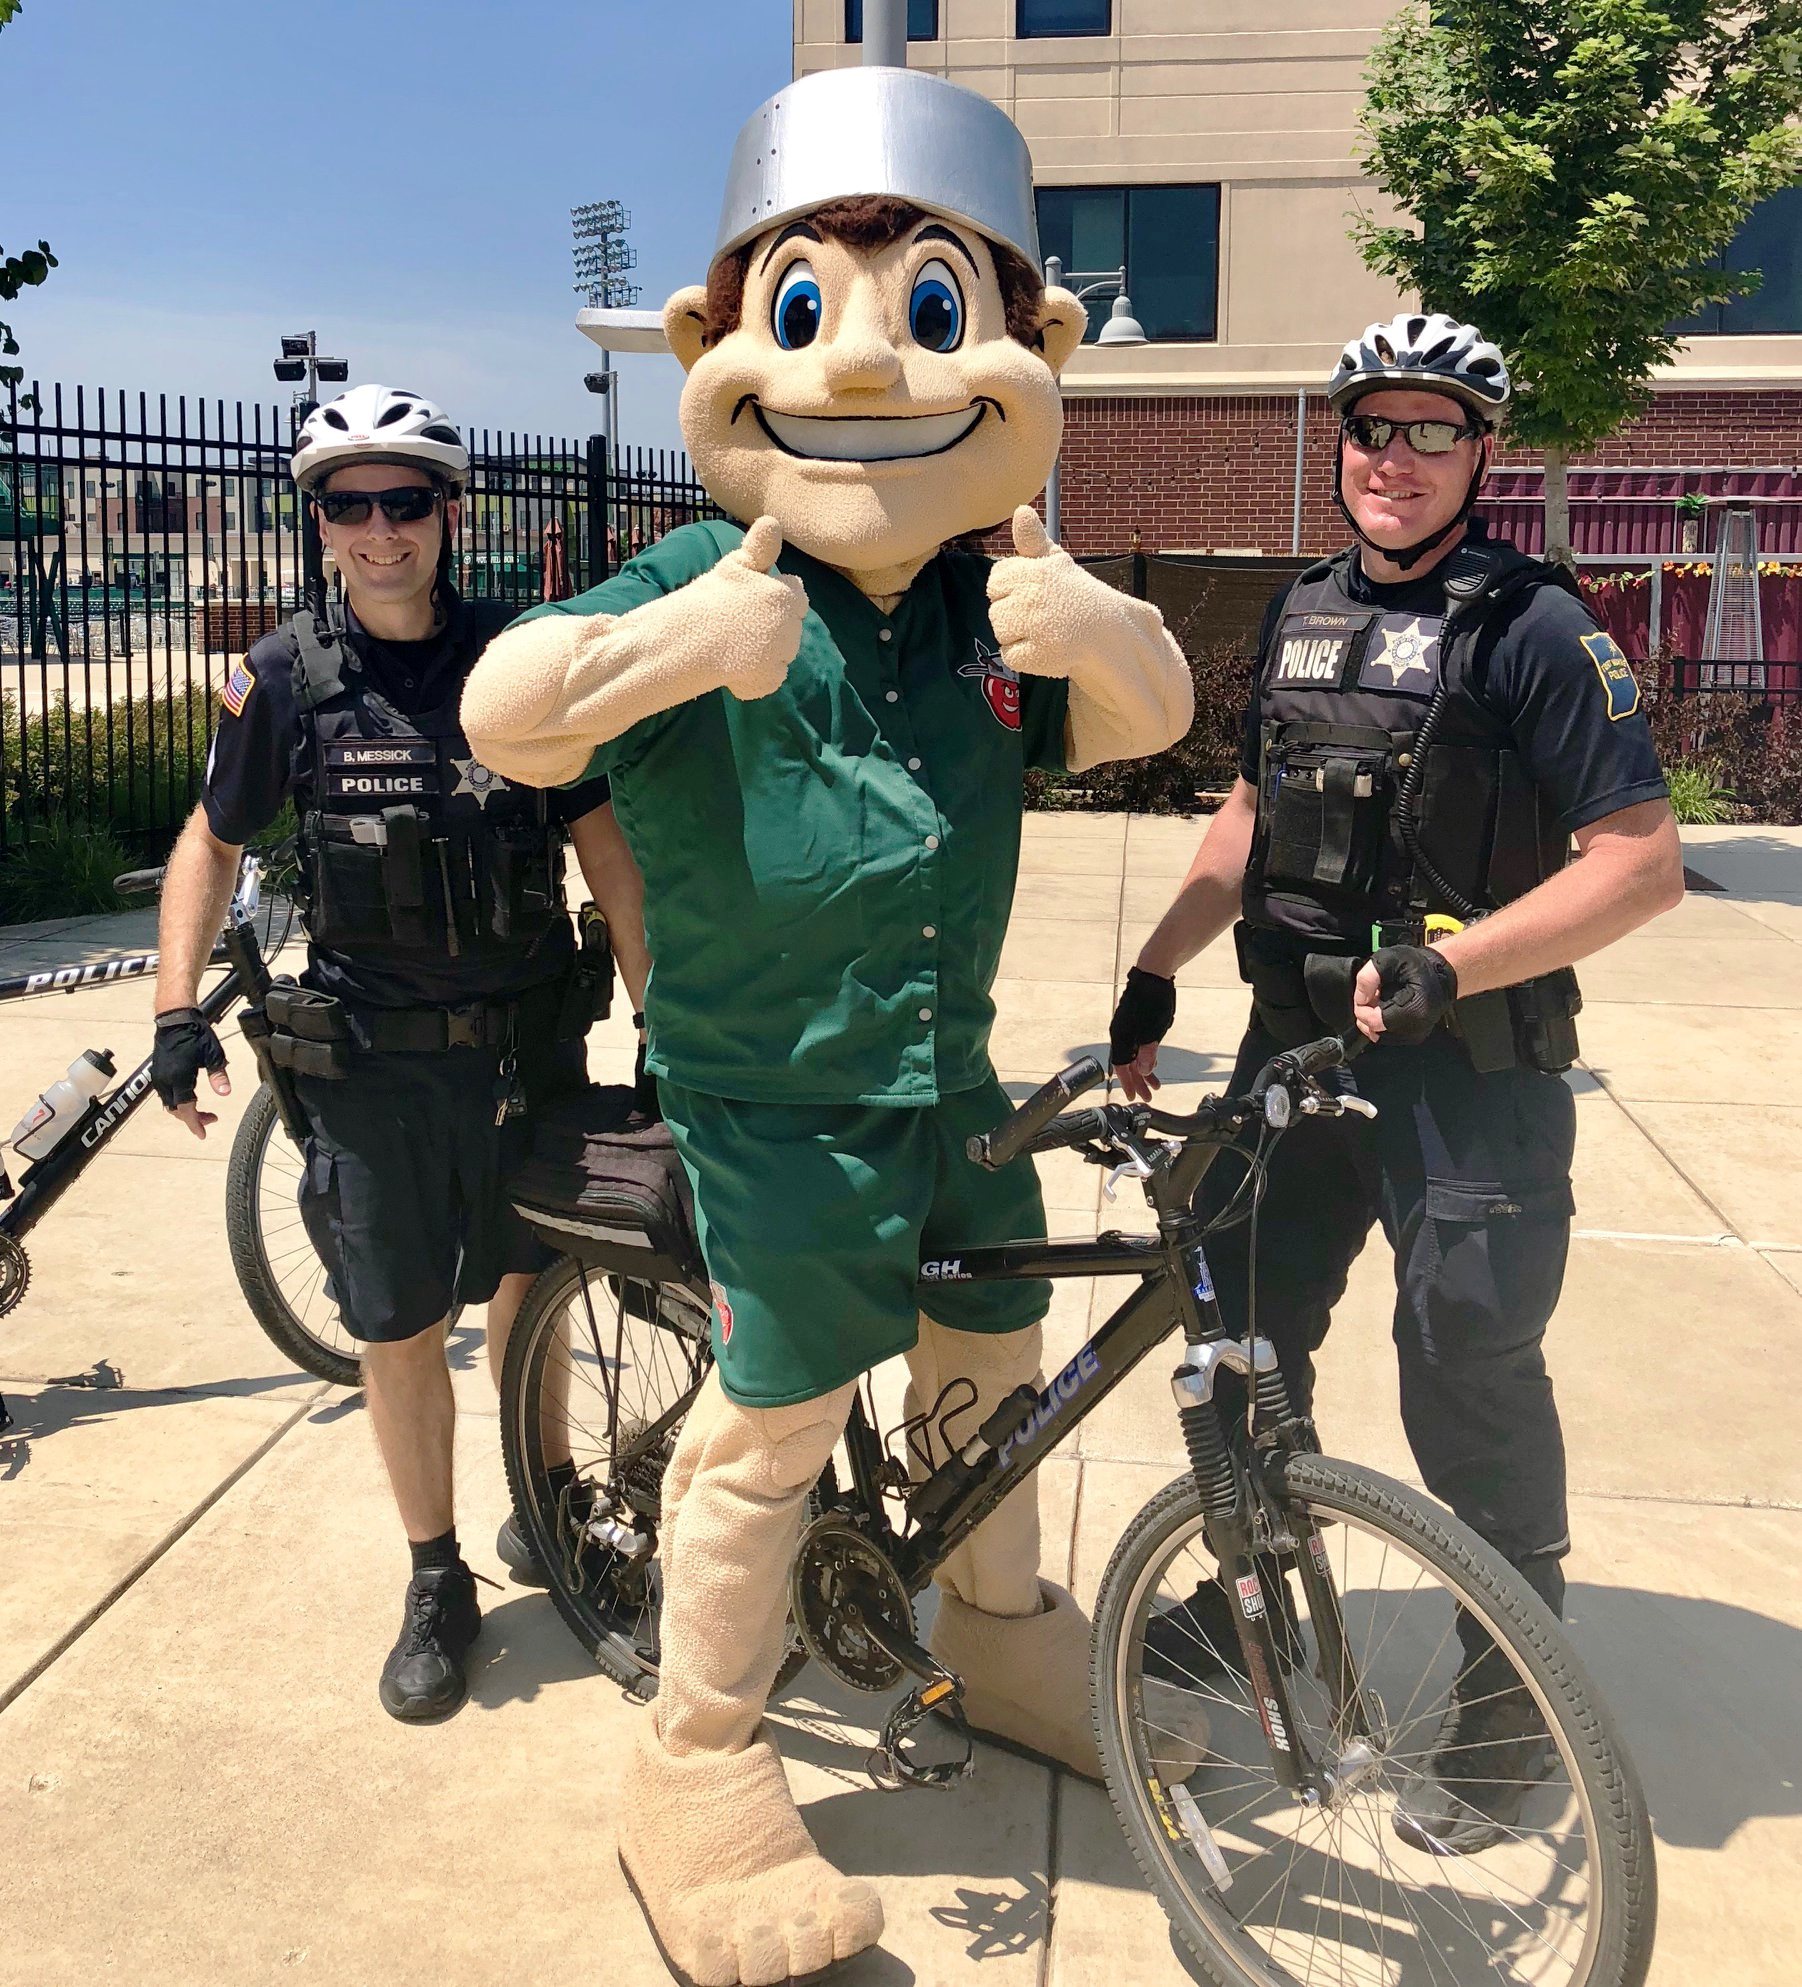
x: 1432, y: 353
x: 379, y: 424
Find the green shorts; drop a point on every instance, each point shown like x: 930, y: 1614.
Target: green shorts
x: 814, y: 1220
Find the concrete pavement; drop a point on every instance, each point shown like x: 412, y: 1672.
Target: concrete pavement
x: 201, y: 1573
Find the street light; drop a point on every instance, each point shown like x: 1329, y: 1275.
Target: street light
x: 1121, y: 328
x: 300, y: 360
x: 603, y: 258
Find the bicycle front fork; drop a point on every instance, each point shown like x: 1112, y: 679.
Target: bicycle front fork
x: 1245, y: 1527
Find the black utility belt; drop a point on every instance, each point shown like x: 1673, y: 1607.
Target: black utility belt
x: 1298, y: 993
x: 315, y: 1034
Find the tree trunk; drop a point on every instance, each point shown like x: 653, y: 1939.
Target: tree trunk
x: 1557, y: 510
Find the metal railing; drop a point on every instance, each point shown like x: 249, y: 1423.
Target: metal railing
x: 146, y: 543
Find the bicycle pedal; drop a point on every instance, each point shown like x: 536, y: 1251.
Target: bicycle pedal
x: 892, y: 1764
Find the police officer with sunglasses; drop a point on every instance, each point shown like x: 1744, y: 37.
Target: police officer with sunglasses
x: 1434, y: 718
x: 444, y: 996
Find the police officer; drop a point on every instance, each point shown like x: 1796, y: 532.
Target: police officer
x: 442, y: 997
x: 1434, y: 717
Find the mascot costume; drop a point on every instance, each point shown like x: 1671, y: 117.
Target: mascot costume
x: 816, y: 720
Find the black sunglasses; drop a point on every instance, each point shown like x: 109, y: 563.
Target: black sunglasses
x: 408, y: 506
x: 1373, y: 432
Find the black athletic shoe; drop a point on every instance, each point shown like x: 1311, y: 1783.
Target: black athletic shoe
x: 1490, y: 1755
x: 1198, y: 1639
x: 423, y: 1676
x: 517, y: 1556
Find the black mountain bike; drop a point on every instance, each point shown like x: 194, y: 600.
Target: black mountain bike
x: 1271, y: 1778
x: 276, y: 1268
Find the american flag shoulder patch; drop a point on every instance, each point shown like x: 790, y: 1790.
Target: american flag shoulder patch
x: 238, y: 686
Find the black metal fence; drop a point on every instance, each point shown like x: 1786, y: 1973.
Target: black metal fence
x: 145, y: 544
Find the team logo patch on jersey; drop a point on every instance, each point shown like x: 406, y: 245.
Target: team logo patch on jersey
x: 238, y: 686
x: 1618, y: 680
x: 1404, y: 655
x: 1000, y: 686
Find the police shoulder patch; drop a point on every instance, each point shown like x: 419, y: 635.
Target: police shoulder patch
x: 1618, y: 681
x: 238, y: 686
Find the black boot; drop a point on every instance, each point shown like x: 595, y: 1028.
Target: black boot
x: 1493, y: 1748
x: 423, y: 1676
x: 1198, y: 1639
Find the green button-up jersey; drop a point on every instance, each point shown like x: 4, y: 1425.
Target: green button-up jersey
x: 829, y: 870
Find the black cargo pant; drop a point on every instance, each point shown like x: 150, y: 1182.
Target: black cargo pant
x: 1469, y: 1176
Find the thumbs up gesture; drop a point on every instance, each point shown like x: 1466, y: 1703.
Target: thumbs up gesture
x: 751, y: 615
x: 1049, y: 616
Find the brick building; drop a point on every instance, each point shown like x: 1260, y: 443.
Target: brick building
x: 1210, y: 151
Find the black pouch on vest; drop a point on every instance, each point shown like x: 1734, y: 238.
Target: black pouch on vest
x: 1485, y: 1024
x: 1545, y: 1025
x: 602, y: 1184
x: 1328, y: 810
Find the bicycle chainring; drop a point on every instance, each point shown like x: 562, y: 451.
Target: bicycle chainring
x: 15, y: 1274
x: 841, y: 1577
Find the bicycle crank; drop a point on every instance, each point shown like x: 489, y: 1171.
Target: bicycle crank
x: 15, y: 1274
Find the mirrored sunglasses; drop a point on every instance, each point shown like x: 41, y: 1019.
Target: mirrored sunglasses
x: 1373, y: 432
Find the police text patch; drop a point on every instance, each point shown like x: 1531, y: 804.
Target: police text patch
x: 1312, y: 649
x: 238, y: 686
x: 1618, y: 680
x: 380, y: 770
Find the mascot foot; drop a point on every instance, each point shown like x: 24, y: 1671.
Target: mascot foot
x: 1026, y: 1678
x: 728, y: 1878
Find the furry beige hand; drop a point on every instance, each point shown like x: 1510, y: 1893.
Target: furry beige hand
x: 549, y: 690
x: 1130, y: 690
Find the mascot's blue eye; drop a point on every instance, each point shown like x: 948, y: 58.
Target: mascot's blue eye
x: 935, y: 312
x: 795, y: 315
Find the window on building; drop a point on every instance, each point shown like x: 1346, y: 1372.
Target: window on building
x: 1033, y: 18
x: 1771, y: 242
x: 922, y: 20
x: 1167, y: 236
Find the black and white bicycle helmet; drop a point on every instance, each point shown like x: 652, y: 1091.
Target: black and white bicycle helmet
x: 1430, y: 352
x: 380, y: 424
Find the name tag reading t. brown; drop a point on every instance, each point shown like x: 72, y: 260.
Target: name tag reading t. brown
x: 379, y: 772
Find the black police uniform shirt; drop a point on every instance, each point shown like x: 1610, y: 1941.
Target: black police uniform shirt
x: 260, y: 756
x: 1546, y: 691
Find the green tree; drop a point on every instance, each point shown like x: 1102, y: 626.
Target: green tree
x: 1569, y: 168
x: 17, y: 272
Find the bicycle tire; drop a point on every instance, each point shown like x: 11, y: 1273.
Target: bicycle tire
x: 610, y: 1607
x: 1617, y: 1952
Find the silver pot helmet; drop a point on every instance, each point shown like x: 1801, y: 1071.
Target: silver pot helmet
x: 900, y: 132
x: 1430, y: 352
x: 379, y: 424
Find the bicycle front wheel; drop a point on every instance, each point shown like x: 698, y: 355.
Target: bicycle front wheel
x: 1270, y: 1889
x: 283, y: 1281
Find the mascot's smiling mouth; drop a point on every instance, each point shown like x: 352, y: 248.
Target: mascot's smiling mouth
x: 868, y: 438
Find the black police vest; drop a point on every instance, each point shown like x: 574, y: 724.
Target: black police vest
x: 1353, y: 834
x: 411, y: 848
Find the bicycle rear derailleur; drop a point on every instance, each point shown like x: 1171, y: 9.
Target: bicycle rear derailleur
x: 853, y: 1612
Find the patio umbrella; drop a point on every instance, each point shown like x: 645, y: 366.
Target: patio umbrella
x: 556, y: 584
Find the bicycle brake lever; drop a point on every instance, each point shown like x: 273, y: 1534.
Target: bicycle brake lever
x: 1134, y: 1164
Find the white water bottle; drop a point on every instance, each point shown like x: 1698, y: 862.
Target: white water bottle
x: 42, y: 1128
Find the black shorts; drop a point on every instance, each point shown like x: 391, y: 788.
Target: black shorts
x: 402, y: 1187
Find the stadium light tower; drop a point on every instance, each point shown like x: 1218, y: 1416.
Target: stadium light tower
x: 603, y: 258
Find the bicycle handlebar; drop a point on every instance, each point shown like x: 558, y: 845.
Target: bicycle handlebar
x: 139, y: 882
x: 993, y: 1150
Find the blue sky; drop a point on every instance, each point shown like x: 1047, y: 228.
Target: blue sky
x: 395, y: 173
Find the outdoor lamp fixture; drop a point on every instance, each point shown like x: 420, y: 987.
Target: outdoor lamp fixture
x: 300, y: 361
x: 1121, y: 328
